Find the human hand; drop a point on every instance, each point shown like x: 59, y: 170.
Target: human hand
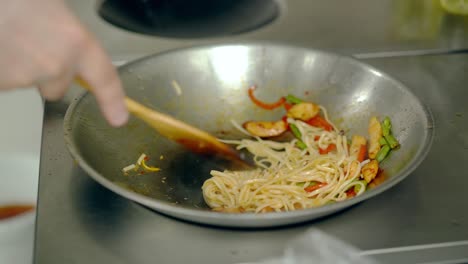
x: 43, y: 44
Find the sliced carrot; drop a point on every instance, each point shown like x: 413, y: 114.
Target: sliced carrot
x: 330, y: 147
x: 362, y: 153
x: 316, y: 138
x: 315, y: 187
x: 267, y: 106
x: 319, y: 121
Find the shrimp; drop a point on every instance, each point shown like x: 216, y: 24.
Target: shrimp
x: 303, y: 111
x: 266, y: 128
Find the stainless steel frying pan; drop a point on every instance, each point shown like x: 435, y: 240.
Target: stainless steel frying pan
x: 207, y: 87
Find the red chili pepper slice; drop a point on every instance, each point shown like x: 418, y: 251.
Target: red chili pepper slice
x: 350, y: 193
x: 267, y: 106
x: 362, y: 153
x: 330, y: 147
x: 287, y: 106
x: 315, y: 187
x: 318, y: 121
x: 285, y: 120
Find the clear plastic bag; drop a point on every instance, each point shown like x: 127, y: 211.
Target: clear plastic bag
x: 317, y: 247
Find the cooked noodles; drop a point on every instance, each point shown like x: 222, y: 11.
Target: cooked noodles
x: 287, y: 177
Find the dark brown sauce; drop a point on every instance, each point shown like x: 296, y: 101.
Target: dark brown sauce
x: 209, y: 150
x: 9, y: 211
x: 196, y: 146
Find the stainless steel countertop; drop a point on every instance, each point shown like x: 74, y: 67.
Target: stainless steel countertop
x: 79, y: 221
x: 422, y: 219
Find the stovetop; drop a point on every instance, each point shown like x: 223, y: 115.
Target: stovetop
x: 421, y: 220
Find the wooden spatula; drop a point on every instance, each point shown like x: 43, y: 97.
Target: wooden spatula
x: 194, y: 139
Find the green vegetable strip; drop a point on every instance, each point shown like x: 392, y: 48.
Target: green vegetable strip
x: 392, y: 142
x: 312, y: 183
x: 357, y: 188
x: 295, y: 131
x: 293, y: 99
x: 298, y: 135
x: 383, y: 141
x: 386, y: 126
x: 387, y: 133
x: 383, y: 153
x: 301, y: 145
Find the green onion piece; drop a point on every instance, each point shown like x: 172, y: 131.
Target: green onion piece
x: 293, y: 99
x: 387, y: 122
x: 300, y: 184
x: 330, y: 202
x: 383, y: 153
x: 357, y: 188
x: 301, y: 145
x: 298, y: 135
x: 392, y: 141
x: 383, y: 141
x: 295, y: 131
x: 386, y: 126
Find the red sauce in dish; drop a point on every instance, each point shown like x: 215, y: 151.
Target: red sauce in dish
x: 14, y: 210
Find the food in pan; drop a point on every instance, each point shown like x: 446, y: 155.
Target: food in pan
x: 318, y: 166
x: 140, y: 167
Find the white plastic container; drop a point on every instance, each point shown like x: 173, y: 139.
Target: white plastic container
x: 21, y: 113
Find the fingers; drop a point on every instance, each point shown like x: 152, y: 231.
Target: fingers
x: 95, y: 67
x: 51, y: 51
x: 55, y: 89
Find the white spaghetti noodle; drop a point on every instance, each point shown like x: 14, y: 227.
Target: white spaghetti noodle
x: 287, y: 177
